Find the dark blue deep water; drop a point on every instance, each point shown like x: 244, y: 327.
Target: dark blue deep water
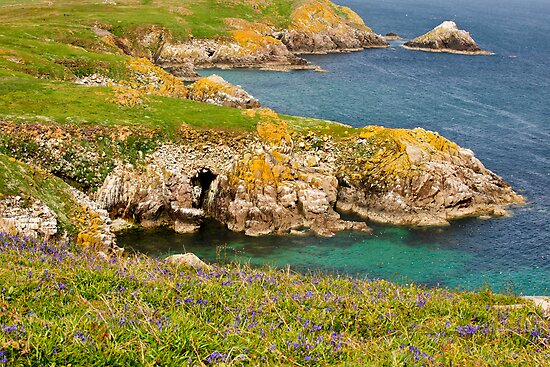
x: 497, y: 105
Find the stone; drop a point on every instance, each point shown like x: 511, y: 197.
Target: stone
x: 187, y: 260
x: 121, y: 225
x: 540, y: 301
x: 215, y: 90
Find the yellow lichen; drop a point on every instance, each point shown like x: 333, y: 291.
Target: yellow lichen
x: 206, y: 88
x: 320, y: 15
x: 147, y: 78
x: 397, y: 153
x: 272, y: 129
x: 252, y: 41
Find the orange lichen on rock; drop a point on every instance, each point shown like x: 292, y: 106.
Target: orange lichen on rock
x: 206, y: 88
x: 319, y: 15
x: 264, y: 169
x: 147, y: 78
x: 272, y: 129
x: 397, y: 153
x: 252, y: 41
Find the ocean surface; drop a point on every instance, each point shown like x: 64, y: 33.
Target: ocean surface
x: 498, y: 106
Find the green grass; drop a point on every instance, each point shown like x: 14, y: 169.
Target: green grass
x: 63, y: 306
x: 23, y: 98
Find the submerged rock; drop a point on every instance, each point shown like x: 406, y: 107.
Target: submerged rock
x: 392, y: 37
x: 446, y: 37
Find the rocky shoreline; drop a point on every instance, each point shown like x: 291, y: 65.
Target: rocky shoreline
x: 273, y: 180
x: 314, y: 27
x: 278, y: 181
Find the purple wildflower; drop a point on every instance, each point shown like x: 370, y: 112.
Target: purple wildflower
x: 9, y: 328
x: 3, y: 357
x: 467, y: 330
x: 216, y: 357
x: 80, y: 336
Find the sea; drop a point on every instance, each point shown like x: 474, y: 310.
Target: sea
x: 497, y: 105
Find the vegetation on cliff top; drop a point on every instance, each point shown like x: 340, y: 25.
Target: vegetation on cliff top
x: 61, y: 305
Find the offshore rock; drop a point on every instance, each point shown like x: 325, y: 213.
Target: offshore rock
x: 392, y: 36
x: 215, y: 90
x: 446, y: 37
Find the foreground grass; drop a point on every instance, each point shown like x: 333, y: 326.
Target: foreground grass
x: 60, y: 305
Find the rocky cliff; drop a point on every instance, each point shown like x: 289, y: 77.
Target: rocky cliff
x: 446, y: 37
x: 319, y: 26
x: 313, y: 26
x: 276, y: 182
x: 272, y: 180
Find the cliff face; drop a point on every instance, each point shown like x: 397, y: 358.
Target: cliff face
x: 417, y: 177
x: 273, y: 180
x: 446, y: 37
x: 275, y: 183
x: 321, y: 26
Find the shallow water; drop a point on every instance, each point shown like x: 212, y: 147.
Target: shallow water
x: 495, y: 105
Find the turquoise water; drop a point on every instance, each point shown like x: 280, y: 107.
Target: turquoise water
x: 495, y: 105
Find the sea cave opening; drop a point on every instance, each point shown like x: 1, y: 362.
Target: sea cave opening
x: 201, y: 183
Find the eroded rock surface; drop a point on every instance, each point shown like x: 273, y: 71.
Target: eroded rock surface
x: 319, y: 26
x: 315, y: 26
x: 258, y: 187
x: 418, y: 177
x: 446, y: 37
x: 33, y: 219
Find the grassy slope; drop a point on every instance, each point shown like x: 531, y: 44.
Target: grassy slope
x: 62, y: 306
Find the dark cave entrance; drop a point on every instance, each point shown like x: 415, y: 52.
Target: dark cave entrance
x: 201, y: 183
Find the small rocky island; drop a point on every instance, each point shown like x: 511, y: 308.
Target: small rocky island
x: 446, y: 37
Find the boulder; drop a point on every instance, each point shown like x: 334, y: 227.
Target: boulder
x: 187, y: 260
x: 215, y: 90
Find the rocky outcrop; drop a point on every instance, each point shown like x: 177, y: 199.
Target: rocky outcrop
x: 154, y: 196
x: 98, y: 232
x: 446, y: 37
x: 215, y: 90
x: 33, y: 219
x: 319, y: 26
x: 417, y: 177
x: 315, y: 26
x: 275, y: 183
x: 392, y: 36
